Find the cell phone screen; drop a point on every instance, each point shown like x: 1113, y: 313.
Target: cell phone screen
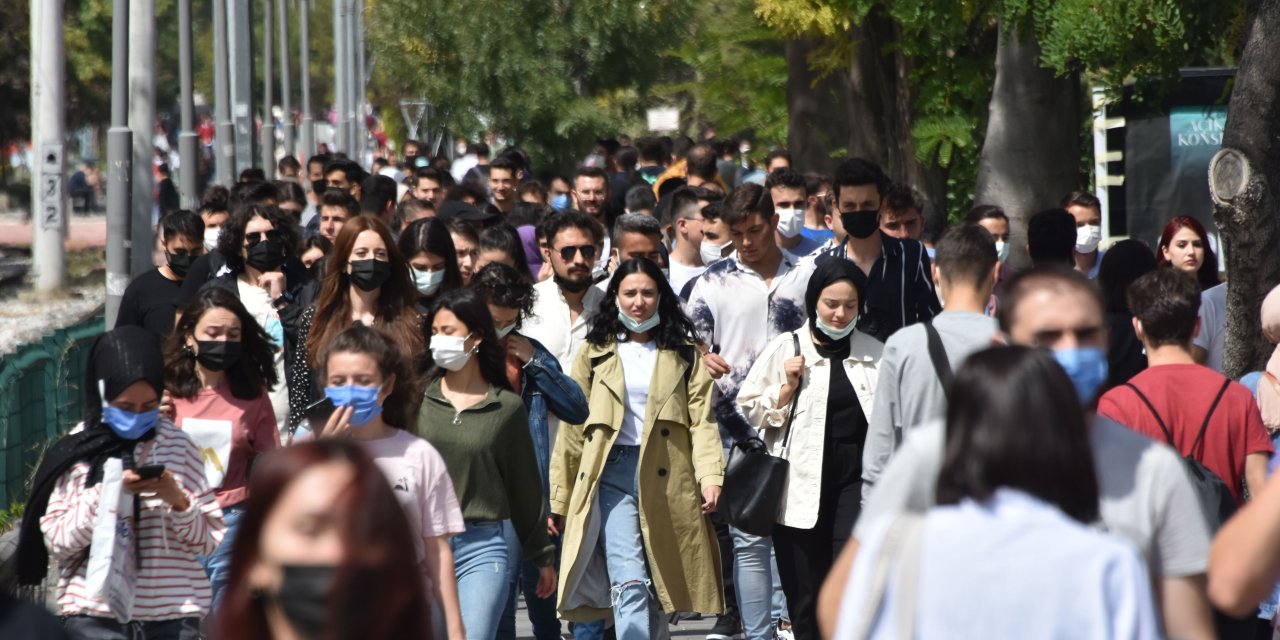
x: 318, y: 414
x: 150, y: 471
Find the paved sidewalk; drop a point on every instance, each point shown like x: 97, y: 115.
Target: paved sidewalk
x: 84, y: 232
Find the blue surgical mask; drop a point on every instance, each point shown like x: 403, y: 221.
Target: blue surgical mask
x: 427, y: 282
x: 638, y: 326
x: 561, y: 202
x: 833, y: 333
x: 1087, y: 368
x: 130, y: 425
x: 363, y: 399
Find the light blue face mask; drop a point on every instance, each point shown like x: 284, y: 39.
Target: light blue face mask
x: 833, y: 333
x: 129, y: 425
x: 561, y: 202
x: 638, y: 326
x: 363, y: 399
x: 1087, y: 368
x: 427, y: 282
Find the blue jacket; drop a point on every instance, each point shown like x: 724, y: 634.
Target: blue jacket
x: 546, y: 389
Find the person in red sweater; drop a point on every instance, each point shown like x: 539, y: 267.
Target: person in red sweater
x: 1175, y: 399
x: 219, y: 365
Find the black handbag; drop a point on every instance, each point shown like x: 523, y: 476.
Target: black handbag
x: 754, y: 479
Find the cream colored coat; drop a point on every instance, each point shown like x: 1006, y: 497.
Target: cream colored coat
x: 680, y: 455
x: 758, y: 400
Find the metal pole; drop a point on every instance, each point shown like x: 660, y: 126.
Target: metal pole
x: 357, y: 27
x: 142, y: 119
x: 188, y: 141
x: 225, y: 139
x: 241, y: 57
x: 353, y: 94
x: 119, y: 162
x: 340, y: 85
x: 286, y: 100
x: 268, y: 119
x: 304, y: 43
x: 48, y: 69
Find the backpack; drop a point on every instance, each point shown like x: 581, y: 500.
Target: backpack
x: 1216, y: 501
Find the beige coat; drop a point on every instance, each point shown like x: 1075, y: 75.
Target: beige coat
x: 680, y: 454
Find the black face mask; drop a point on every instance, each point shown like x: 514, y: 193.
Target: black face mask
x: 180, y: 264
x: 266, y: 255
x: 219, y: 355
x: 860, y: 224
x: 572, y: 286
x: 318, y: 186
x: 304, y: 597
x: 369, y: 274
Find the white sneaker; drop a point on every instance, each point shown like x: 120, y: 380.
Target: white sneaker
x: 783, y: 634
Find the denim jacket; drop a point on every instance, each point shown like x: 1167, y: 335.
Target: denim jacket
x: 546, y: 389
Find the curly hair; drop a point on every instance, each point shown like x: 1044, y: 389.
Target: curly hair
x: 503, y: 286
x: 231, y: 240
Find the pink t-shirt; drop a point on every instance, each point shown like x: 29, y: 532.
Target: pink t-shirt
x: 421, y: 482
x: 229, y: 432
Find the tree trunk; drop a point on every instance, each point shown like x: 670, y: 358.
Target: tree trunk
x: 1031, y: 153
x: 1242, y: 180
x: 816, y: 126
x: 881, y: 108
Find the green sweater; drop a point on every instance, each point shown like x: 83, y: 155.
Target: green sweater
x: 490, y: 457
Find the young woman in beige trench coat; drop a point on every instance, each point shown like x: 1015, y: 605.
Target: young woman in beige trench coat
x: 635, y: 483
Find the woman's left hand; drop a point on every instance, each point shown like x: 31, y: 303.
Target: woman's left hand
x: 710, y: 498
x: 520, y: 347
x: 546, y: 581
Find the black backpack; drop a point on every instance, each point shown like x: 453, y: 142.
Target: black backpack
x: 1216, y: 501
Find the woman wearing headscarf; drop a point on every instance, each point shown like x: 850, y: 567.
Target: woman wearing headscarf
x: 811, y: 393
x: 176, y: 514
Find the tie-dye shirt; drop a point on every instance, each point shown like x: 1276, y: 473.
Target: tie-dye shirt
x: 736, y: 315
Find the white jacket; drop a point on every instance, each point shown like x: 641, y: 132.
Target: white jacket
x: 758, y: 400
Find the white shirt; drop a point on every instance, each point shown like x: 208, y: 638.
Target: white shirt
x: 1213, y: 324
x: 1145, y: 495
x: 681, y: 275
x: 1010, y: 567
x: 549, y: 323
x: 637, y: 360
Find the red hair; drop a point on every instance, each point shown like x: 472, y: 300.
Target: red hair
x: 1207, y: 275
x: 397, y: 315
x: 379, y: 594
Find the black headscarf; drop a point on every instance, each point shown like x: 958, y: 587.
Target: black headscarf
x: 828, y: 272
x: 117, y: 359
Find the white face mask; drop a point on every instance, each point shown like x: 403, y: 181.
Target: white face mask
x: 712, y: 253
x: 451, y: 352
x: 504, y: 331
x: 427, y: 282
x: 790, y: 222
x: 1002, y: 251
x: 1087, y: 238
x: 211, y: 238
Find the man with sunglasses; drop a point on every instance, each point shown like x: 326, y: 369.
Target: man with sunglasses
x: 899, y: 279
x: 566, y: 300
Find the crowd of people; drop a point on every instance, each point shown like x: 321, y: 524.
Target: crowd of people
x: 389, y: 403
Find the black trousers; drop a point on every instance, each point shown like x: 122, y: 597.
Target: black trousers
x: 806, y: 555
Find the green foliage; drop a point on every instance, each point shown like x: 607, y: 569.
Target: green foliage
x: 10, y: 517
x: 551, y: 76
x: 731, y: 73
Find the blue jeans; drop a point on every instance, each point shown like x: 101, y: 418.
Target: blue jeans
x: 624, y: 544
x: 482, y: 564
x: 753, y: 580
x: 218, y: 564
x: 95, y: 628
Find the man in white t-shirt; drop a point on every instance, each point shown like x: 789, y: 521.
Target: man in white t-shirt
x: 683, y: 224
x: 567, y: 300
x: 1206, y: 347
x: 1146, y: 495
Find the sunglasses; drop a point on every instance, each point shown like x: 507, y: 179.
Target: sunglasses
x: 256, y: 236
x: 588, y: 252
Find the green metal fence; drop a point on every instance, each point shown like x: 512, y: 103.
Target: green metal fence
x: 41, y: 398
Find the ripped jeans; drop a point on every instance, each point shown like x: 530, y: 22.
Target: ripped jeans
x: 624, y: 544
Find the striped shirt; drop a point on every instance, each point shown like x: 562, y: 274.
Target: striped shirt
x: 170, y: 583
x: 899, y: 288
